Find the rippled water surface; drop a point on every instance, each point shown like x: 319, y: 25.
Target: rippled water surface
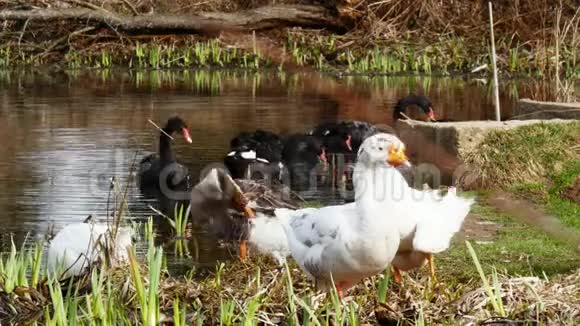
x: 65, y: 135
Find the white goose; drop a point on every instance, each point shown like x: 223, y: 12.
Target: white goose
x: 345, y: 243
x: 77, y: 246
x: 426, y: 220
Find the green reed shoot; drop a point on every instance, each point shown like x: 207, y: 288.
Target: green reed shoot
x: 13, y: 270
x: 219, y: 270
x: 309, y: 315
x: 250, y: 318
x: 179, y: 225
x: 384, y: 281
x: 227, y: 312
x: 181, y: 220
x: 493, y: 293
x: 179, y: 313
x: 155, y: 56
x: 140, y: 54
x: 95, y: 300
x: 106, y: 59
x: 149, y: 231
x: 148, y: 298
x: 339, y: 313
x: 293, y: 320
x: 420, y: 320
x: 58, y: 306
x: 35, y: 261
x: 352, y: 314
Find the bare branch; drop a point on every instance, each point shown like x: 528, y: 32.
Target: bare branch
x: 262, y: 18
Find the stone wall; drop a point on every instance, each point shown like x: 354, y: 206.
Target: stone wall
x: 528, y: 109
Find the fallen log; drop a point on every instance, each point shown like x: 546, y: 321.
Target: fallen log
x: 258, y: 19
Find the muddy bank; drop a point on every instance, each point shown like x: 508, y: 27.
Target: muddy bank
x: 348, y: 36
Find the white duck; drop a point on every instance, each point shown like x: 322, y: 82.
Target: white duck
x: 346, y: 243
x: 77, y: 246
x: 426, y: 220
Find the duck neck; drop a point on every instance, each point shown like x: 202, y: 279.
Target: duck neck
x: 165, y: 152
x: 377, y: 186
x: 398, y: 112
x: 370, y: 189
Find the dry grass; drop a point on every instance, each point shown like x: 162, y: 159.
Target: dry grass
x: 526, y: 154
x: 526, y: 299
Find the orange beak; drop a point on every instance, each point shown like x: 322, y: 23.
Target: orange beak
x: 397, y: 156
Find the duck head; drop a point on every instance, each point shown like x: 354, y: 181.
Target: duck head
x: 421, y: 101
x: 383, y: 148
x: 176, y: 124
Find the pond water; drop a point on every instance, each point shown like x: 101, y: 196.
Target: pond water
x: 66, y: 134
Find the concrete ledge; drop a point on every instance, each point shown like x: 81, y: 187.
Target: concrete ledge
x: 456, y: 138
x: 528, y: 109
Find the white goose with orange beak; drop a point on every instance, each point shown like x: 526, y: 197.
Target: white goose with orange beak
x: 343, y: 244
x: 426, y: 221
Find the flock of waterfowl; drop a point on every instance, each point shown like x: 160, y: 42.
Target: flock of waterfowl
x: 388, y: 224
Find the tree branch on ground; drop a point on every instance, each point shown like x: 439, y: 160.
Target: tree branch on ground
x: 258, y: 19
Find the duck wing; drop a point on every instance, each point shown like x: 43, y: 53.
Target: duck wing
x: 315, y: 237
x: 442, y: 219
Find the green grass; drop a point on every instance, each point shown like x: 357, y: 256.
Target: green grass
x: 536, y: 163
x: 516, y: 249
x: 448, y: 54
x: 566, y: 210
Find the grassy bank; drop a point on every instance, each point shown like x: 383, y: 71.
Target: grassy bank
x: 400, y: 36
x: 442, y: 57
x: 254, y: 292
x: 536, y: 156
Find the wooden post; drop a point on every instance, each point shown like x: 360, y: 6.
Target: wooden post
x: 494, y: 62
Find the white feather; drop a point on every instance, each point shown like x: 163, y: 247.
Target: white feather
x: 267, y: 236
x: 249, y: 155
x: 434, y: 233
x: 79, y: 245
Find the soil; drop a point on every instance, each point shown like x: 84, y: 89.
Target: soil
x: 572, y: 193
x: 476, y: 228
